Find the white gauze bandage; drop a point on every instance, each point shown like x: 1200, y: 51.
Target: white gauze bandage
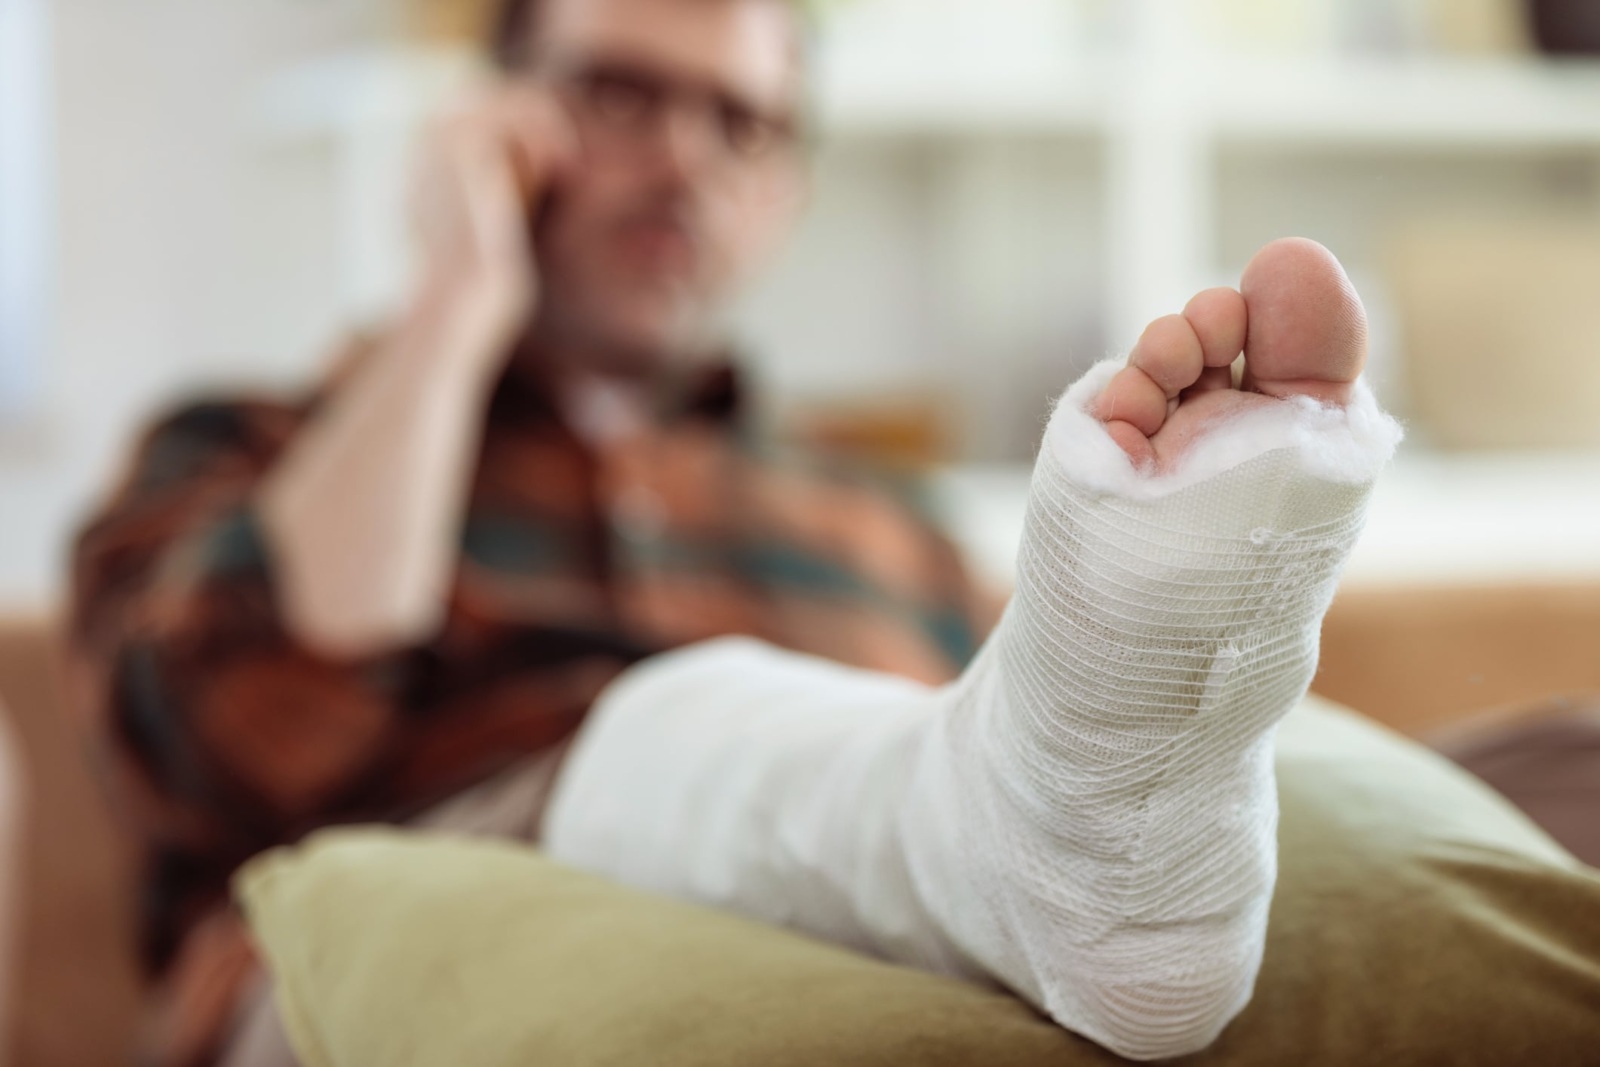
x: 1087, y: 816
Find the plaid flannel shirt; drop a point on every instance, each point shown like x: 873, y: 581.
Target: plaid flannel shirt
x: 223, y: 736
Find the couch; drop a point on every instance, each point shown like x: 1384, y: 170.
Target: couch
x: 1419, y: 659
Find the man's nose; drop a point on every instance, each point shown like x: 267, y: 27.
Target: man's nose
x: 688, y: 148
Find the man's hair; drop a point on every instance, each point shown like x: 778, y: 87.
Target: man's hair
x: 509, y: 33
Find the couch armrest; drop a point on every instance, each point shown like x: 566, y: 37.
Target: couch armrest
x: 77, y: 988
x: 13, y: 795
x: 1421, y: 657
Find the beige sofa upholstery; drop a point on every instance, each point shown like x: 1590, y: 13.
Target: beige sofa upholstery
x: 1417, y: 659
x: 75, y: 983
x: 12, y: 797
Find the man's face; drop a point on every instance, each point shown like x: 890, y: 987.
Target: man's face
x: 686, y: 113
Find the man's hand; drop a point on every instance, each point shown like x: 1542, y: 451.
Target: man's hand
x: 364, y: 510
x: 481, y: 178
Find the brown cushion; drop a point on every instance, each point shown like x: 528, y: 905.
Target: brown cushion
x: 1419, y: 919
x: 1545, y: 759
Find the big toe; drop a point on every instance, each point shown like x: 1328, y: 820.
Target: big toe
x: 1308, y: 331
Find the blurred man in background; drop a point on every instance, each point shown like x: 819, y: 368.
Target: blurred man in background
x: 417, y: 580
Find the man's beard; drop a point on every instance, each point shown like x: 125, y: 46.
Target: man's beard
x: 572, y: 334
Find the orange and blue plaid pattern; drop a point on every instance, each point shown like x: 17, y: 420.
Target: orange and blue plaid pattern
x: 225, y: 737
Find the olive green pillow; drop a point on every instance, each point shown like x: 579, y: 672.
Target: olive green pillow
x: 1418, y: 920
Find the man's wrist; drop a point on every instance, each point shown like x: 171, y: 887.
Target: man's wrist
x: 461, y: 330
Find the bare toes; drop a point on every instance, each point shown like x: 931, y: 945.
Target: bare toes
x: 1211, y: 380
x: 1170, y: 353
x: 1133, y: 398
x: 1220, y: 319
x: 1308, y: 331
x: 1133, y: 442
x: 1295, y: 319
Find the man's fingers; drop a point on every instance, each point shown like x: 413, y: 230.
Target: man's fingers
x: 538, y: 135
x: 485, y: 169
x: 494, y: 202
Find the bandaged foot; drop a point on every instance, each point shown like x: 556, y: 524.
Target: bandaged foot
x: 1087, y: 816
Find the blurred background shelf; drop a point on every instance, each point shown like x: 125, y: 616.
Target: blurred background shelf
x: 1148, y: 136
x: 1436, y: 520
x: 1408, y: 103
x: 340, y: 96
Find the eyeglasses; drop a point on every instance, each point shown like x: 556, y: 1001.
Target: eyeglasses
x: 620, y: 107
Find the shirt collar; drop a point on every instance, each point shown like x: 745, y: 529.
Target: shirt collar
x: 714, y: 393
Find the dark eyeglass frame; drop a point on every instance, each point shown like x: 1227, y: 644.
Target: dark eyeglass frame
x: 632, y: 98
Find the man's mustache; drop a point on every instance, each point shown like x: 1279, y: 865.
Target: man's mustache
x: 675, y: 213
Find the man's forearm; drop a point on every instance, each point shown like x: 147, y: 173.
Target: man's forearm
x: 363, y: 512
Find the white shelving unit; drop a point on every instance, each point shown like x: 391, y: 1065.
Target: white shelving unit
x: 1161, y: 108
x: 1159, y: 117
x: 1164, y: 119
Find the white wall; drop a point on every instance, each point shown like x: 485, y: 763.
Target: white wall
x: 24, y: 186
x: 185, y: 253
x: 962, y: 268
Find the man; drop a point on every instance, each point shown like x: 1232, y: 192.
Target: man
x: 354, y: 608
x: 360, y: 607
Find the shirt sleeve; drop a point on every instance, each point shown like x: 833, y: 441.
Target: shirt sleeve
x: 960, y: 610
x: 219, y: 734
